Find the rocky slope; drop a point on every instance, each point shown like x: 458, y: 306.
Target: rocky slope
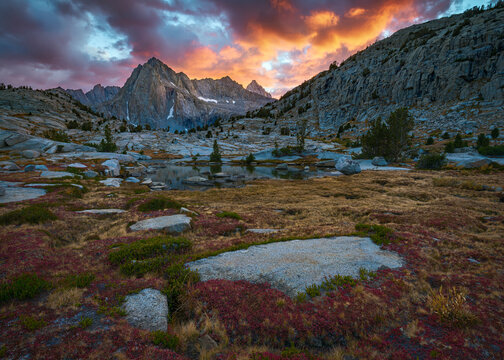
x: 95, y: 96
x: 451, y: 69
x: 158, y: 96
x: 34, y: 111
x: 258, y: 89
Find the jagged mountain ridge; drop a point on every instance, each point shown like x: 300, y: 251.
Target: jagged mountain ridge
x: 434, y: 64
x: 258, y: 89
x: 156, y: 95
x: 96, y: 96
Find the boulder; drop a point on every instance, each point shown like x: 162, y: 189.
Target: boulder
x: 9, y: 166
x: 476, y: 163
x: 147, y: 310
x: 15, y: 194
x: 282, y: 167
x: 30, y: 154
x: 114, y: 182
x: 90, y: 174
x: 379, y: 161
x: 174, y: 224
x: 32, y: 167
x: 113, y: 167
x: 348, y: 166
x: 197, y: 180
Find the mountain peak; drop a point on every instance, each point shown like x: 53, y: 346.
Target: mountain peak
x: 258, y: 89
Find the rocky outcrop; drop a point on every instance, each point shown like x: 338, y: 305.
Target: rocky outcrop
x: 147, y: 310
x: 258, y: 89
x: 95, y: 96
x: 446, y: 61
x: 174, y: 224
x: 156, y: 95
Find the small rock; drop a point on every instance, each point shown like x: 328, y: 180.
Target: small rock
x: 77, y: 166
x: 147, y: 310
x: 114, y: 182
x: 2, y: 191
x: 206, y: 343
x: 9, y: 166
x: 113, y: 167
x: 102, y: 211
x: 263, y: 231
x: 32, y: 167
x: 90, y: 174
x: 174, y: 224
x: 348, y: 166
x: 184, y: 210
x: 221, y: 175
x: 379, y: 161
x: 132, y: 179
x: 30, y: 154
x: 147, y: 181
x: 474, y: 261
x: 282, y: 167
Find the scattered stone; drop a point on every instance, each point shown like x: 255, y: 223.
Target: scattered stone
x: 379, y: 161
x: 102, y: 211
x: 474, y: 261
x: 90, y: 174
x: 55, y: 174
x: 132, y: 179
x: 292, y: 266
x: 30, y: 154
x: 206, y: 343
x: 2, y: 191
x: 263, y: 231
x: 114, y: 182
x: 197, y: 180
x: 282, y: 167
x: 348, y: 166
x: 147, y: 310
x: 113, y: 167
x: 77, y: 166
x: 32, y: 167
x: 9, y: 166
x: 174, y: 224
x: 147, y: 181
x: 184, y: 210
x: 221, y: 175
x: 15, y: 194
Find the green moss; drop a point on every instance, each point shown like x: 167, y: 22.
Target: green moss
x: 229, y: 215
x: 378, y: 233
x: 78, y: 280
x: 33, y: 214
x: 31, y: 323
x: 85, y: 322
x: 22, y: 287
x: 164, y: 340
x: 366, y: 274
x: 160, y: 203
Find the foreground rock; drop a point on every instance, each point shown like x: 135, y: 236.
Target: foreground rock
x: 114, y: 182
x: 15, y: 194
x: 113, y: 167
x: 348, y: 166
x: 147, y: 310
x: 292, y: 266
x: 174, y: 224
x: 55, y: 174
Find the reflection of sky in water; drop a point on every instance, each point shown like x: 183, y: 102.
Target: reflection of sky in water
x: 174, y: 175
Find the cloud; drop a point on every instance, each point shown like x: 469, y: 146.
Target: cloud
x: 279, y: 43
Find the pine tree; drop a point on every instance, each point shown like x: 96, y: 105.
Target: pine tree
x: 215, y: 155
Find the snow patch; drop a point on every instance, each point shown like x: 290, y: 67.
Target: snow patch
x: 170, y: 115
x: 207, y: 100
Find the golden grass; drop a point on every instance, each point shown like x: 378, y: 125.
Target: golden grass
x: 65, y: 298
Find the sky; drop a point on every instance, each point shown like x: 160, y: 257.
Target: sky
x: 280, y: 43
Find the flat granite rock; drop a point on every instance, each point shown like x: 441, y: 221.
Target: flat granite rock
x: 294, y: 265
x: 102, y: 211
x: 14, y: 194
x: 174, y: 224
x: 55, y: 174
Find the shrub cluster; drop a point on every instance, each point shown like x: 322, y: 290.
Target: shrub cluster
x: 33, y: 214
x: 22, y: 287
x: 160, y: 203
x: 431, y: 162
x: 378, y: 233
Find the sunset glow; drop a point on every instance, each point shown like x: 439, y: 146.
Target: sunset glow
x: 279, y: 43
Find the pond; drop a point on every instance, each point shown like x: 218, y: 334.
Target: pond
x: 181, y: 177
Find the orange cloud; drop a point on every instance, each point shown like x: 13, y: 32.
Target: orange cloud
x: 355, y: 12
x: 321, y: 19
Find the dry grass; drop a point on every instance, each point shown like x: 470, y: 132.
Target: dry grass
x: 65, y: 299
